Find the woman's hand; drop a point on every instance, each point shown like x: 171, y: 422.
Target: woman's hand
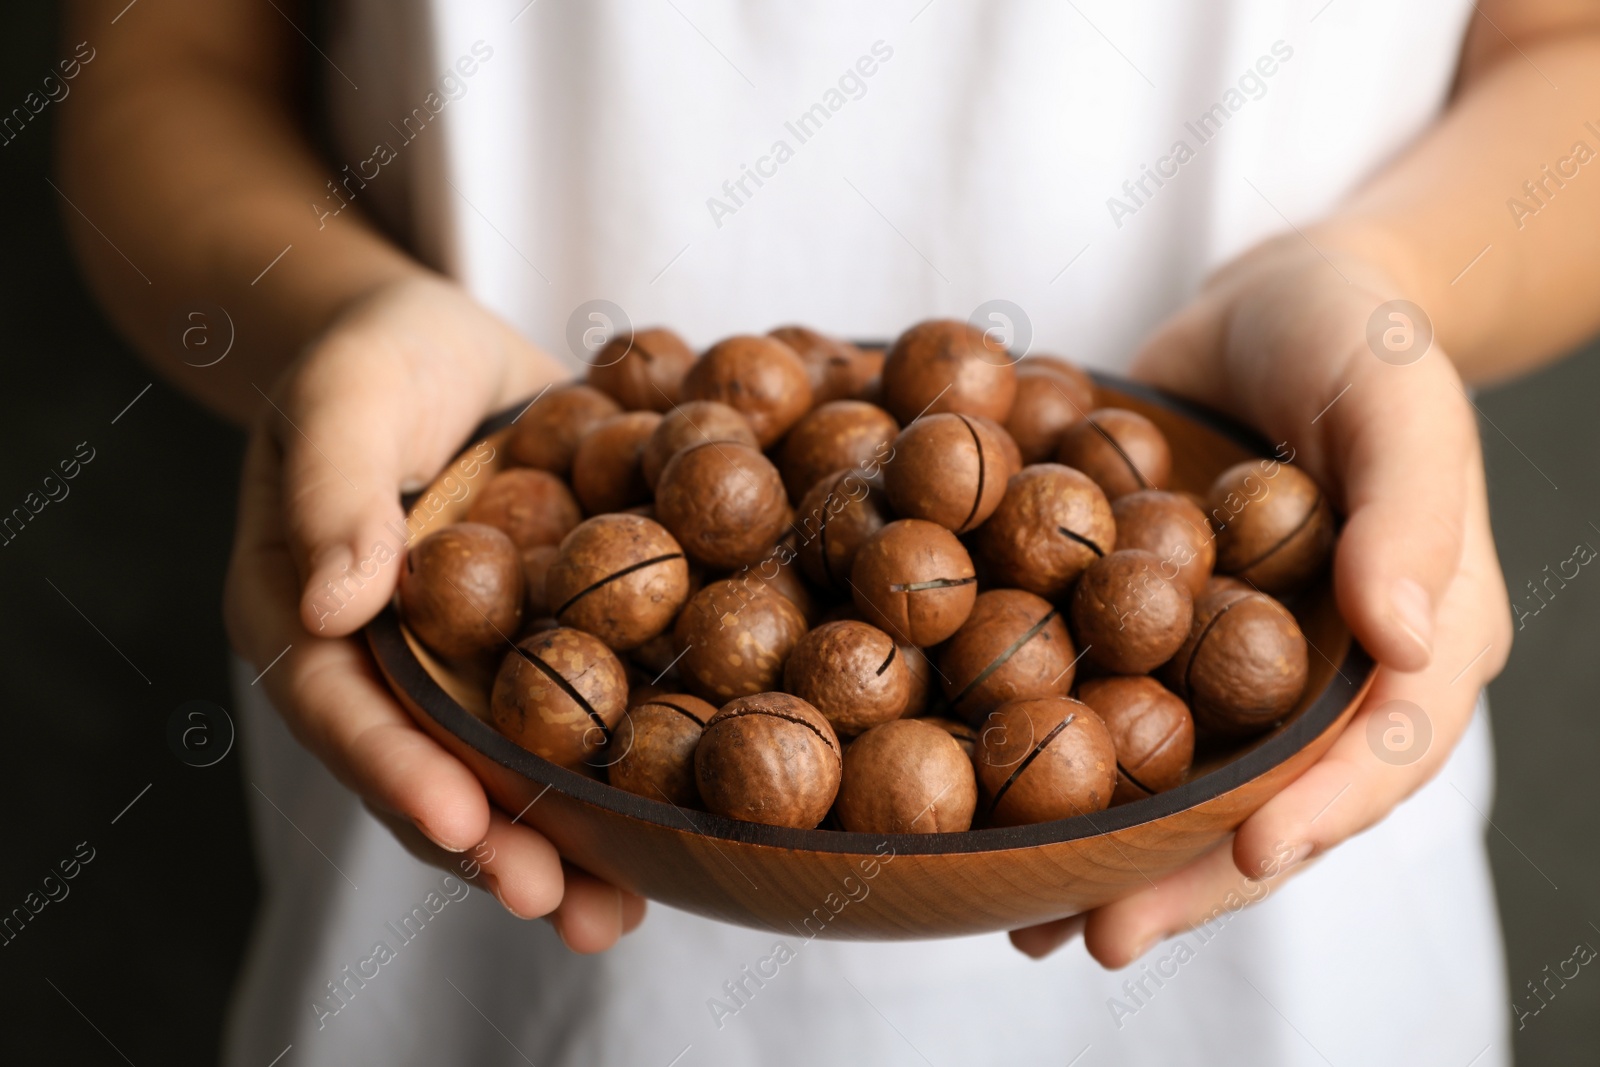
x: 1279, y: 339
x: 377, y: 406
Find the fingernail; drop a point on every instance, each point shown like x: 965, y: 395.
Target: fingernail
x: 1301, y: 853
x: 425, y: 832
x: 1413, y: 609
x: 1145, y: 945
x: 494, y: 888
x: 554, y: 919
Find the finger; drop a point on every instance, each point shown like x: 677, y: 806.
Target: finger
x: 524, y: 866
x: 633, y: 911
x: 517, y: 864
x: 1406, y: 446
x: 377, y: 408
x: 1407, y: 725
x: 343, y: 464
x: 592, y: 915
x: 1206, y: 890
x: 328, y: 690
x: 1039, y: 941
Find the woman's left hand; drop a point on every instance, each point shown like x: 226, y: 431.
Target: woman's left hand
x: 1279, y: 339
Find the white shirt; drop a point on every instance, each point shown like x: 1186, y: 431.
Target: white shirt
x: 1088, y: 162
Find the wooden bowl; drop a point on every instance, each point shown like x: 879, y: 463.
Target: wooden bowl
x: 831, y: 884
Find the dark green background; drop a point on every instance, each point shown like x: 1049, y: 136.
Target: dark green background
x: 147, y: 943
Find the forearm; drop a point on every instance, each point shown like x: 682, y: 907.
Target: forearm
x: 1507, y: 276
x: 191, y: 176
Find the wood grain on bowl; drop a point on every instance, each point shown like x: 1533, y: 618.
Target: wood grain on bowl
x: 833, y: 884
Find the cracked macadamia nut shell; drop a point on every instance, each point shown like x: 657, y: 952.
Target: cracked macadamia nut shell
x: 660, y: 734
x: 947, y: 365
x: 1151, y: 728
x: 1041, y: 760
x: 1275, y: 528
x: 842, y: 434
x: 461, y: 590
x: 1013, y: 646
x: 691, y: 423
x: 1174, y: 528
x: 948, y: 469
x: 546, y: 435
x: 605, y: 468
x: 1121, y: 450
x: 914, y: 580
x: 769, y: 758
x: 644, y: 370
x: 530, y: 506
x: 725, y: 503
x: 1128, y: 614
x: 1052, y: 522
x: 558, y: 695
x: 620, y: 577
x: 760, y: 377
x: 839, y: 515
x: 1243, y: 665
x: 906, y: 777
x: 736, y: 638
x: 851, y: 672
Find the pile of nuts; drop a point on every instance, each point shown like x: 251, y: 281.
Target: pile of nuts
x: 902, y: 592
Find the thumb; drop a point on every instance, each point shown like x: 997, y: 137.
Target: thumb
x: 1404, y: 444
x: 343, y: 520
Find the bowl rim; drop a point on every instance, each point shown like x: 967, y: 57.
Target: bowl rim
x: 405, y: 671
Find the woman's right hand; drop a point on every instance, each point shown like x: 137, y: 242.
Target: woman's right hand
x: 376, y: 407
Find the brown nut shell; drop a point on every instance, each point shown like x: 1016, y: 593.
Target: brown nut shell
x: 725, y: 503
x: 1129, y: 616
x: 906, y: 777
x: 852, y: 673
x: 736, y: 639
x: 693, y: 422
x: 964, y: 734
x: 1048, y: 401
x: 839, y: 435
x: 1151, y: 728
x: 923, y: 684
x: 620, y: 577
x: 947, y: 469
x: 760, y: 377
x: 461, y: 590
x: 536, y: 564
x: 547, y: 434
x: 606, y: 475
x: 946, y: 365
x: 1275, y: 528
x: 840, y: 513
x: 914, y: 580
x: 1041, y: 760
x: 660, y: 733
x: 778, y: 573
x: 1014, y: 646
x: 532, y: 507
x: 1121, y: 450
x: 558, y: 695
x: 1008, y: 444
x: 1052, y: 522
x: 1171, y: 526
x: 838, y: 369
x: 1244, y: 664
x: 769, y: 758
x: 644, y: 370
